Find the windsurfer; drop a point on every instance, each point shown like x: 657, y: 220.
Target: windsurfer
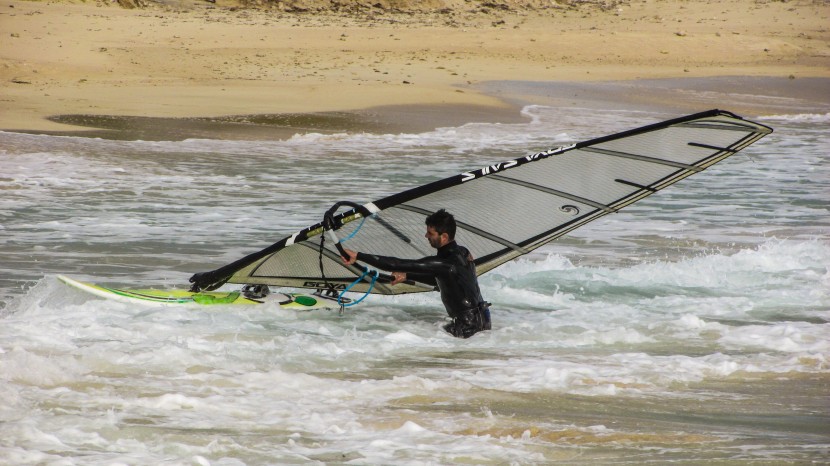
x: 452, y: 270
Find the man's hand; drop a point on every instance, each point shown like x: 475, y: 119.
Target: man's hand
x: 352, y: 257
x: 397, y: 277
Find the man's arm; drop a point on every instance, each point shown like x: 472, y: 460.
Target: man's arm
x: 426, y: 266
x: 420, y: 277
x: 423, y: 270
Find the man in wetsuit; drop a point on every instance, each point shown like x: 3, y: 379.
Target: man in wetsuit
x: 452, y: 269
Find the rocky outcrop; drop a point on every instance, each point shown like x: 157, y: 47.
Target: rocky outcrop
x: 393, y: 6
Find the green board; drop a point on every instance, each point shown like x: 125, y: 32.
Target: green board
x: 204, y: 298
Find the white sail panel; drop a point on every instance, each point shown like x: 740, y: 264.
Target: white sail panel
x: 503, y: 210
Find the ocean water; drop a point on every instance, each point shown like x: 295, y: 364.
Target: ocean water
x: 693, y: 326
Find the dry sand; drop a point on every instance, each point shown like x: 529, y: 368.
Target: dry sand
x: 210, y: 60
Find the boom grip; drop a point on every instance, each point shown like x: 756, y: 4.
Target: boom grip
x: 329, y: 223
x: 341, y: 250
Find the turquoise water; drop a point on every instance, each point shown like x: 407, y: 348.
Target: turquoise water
x: 692, y: 326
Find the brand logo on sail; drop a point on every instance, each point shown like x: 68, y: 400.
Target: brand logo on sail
x: 490, y: 169
x: 324, y: 286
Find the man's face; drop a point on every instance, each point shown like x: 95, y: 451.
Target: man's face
x: 436, y: 240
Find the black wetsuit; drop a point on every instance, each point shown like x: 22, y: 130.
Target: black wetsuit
x: 453, y: 271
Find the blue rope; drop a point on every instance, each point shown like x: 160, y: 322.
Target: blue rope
x: 366, y: 271
x: 351, y: 235
x: 360, y: 279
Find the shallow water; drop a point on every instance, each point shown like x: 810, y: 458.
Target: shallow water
x: 691, y: 326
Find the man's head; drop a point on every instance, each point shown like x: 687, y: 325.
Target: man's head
x: 440, y: 228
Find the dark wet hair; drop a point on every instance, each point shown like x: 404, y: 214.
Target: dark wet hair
x: 443, y: 222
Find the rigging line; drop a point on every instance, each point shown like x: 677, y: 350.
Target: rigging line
x: 336, y: 258
x: 367, y: 271
x: 469, y: 228
x: 320, y: 260
x: 555, y: 192
x: 643, y: 158
x: 352, y: 234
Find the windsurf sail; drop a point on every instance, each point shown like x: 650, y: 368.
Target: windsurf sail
x: 503, y: 210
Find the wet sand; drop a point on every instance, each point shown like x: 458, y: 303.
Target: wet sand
x: 391, y: 119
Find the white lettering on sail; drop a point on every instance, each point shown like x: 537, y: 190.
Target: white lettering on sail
x: 468, y: 176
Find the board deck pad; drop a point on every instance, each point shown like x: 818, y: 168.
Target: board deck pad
x: 204, y: 298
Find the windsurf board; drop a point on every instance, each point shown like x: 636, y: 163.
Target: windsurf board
x: 181, y: 297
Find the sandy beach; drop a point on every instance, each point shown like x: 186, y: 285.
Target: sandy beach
x: 65, y: 65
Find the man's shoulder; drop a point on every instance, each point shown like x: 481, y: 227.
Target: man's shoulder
x: 456, y: 250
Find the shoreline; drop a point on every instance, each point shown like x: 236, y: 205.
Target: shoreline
x: 749, y: 97
x: 388, y: 119
x: 200, y: 71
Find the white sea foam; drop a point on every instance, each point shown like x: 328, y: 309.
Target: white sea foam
x: 801, y: 117
x: 794, y: 337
